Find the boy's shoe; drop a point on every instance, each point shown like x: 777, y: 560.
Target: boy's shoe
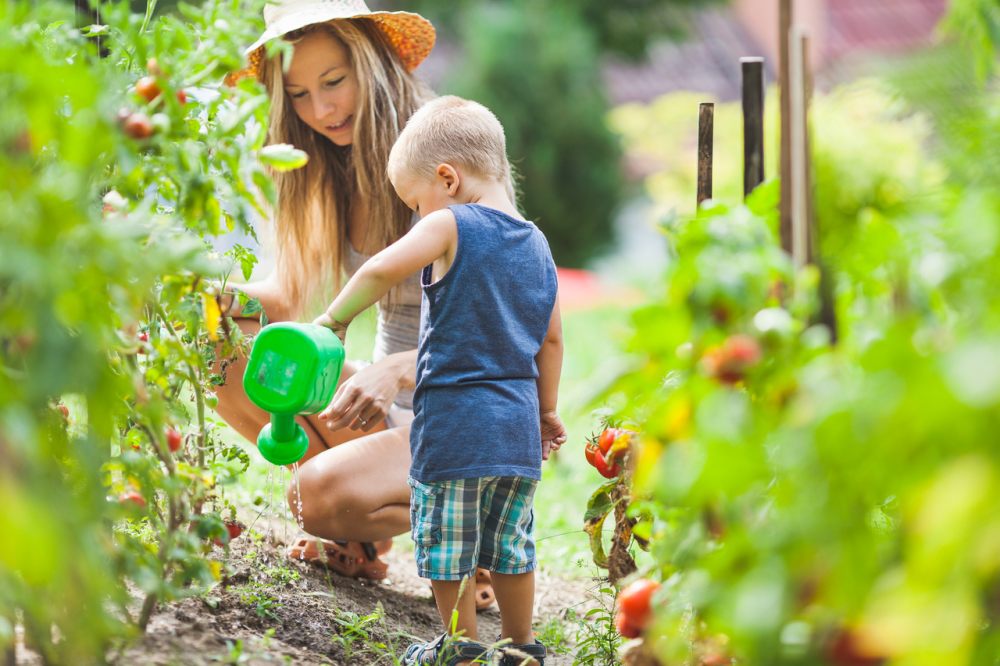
x: 444, y: 652
x: 526, y: 654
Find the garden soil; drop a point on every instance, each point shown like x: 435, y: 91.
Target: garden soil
x: 315, y: 617
x: 263, y: 613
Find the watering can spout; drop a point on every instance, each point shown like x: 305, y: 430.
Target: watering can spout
x: 293, y: 369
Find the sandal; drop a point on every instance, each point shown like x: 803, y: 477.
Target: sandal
x: 446, y: 651
x: 354, y: 559
x: 484, y: 590
x: 532, y: 654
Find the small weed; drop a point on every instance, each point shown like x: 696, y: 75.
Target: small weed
x: 235, y: 655
x: 242, y: 652
x: 353, y: 628
x: 553, y: 635
x: 281, y: 575
x: 256, y: 596
x: 597, y: 640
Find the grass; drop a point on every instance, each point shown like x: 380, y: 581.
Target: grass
x: 593, y: 357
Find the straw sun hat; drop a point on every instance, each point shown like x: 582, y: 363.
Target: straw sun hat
x: 410, y: 35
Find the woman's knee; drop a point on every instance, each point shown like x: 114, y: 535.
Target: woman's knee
x: 325, y: 507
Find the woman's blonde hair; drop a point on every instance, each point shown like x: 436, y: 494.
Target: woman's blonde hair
x: 314, y: 202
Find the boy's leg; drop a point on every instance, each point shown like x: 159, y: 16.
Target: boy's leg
x: 516, y: 598
x: 507, y: 549
x: 447, y: 600
x: 445, y: 519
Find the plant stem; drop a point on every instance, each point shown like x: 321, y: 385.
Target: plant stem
x: 150, y: 8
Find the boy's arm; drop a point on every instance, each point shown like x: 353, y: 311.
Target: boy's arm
x: 549, y: 361
x: 430, y: 238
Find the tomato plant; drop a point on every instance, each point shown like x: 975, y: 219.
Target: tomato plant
x: 811, y: 499
x: 112, y: 200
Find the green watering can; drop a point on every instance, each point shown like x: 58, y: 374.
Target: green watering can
x: 293, y: 369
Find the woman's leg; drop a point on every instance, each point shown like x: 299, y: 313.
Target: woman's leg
x: 357, y: 491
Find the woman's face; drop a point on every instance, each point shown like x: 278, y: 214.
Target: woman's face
x: 323, y: 87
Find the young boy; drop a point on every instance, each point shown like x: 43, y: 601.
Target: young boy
x: 488, y: 366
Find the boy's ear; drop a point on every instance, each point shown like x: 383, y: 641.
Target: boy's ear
x: 448, y: 175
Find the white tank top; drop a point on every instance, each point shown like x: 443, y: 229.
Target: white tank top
x: 399, y: 325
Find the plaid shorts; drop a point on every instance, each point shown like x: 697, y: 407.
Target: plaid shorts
x: 462, y: 524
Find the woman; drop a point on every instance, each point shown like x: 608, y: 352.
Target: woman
x: 345, y: 95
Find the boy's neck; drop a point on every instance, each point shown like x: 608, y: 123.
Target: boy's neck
x: 490, y: 193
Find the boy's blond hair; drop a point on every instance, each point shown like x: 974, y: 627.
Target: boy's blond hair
x: 455, y: 131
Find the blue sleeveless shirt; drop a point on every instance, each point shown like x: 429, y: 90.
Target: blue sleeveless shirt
x: 481, y: 325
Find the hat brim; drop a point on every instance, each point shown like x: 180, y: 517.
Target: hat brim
x: 409, y: 34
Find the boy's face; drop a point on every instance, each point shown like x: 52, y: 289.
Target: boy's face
x: 424, y: 194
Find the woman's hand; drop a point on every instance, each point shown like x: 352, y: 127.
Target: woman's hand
x: 269, y: 293
x: 363, y: 400
x: 553, y: 433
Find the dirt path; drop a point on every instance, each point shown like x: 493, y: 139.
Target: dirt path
x: 274, y: 610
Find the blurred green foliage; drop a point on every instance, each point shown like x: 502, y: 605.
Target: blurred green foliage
x: 111, y: 471
x: 536, y: 67
x: 833, y: 504
x: 626, y: 28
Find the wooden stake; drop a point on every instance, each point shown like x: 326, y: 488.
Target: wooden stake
x: 800, y: 235
x: 753, y: 123
x: 827, y: 314
x: 785, y: 169
x: 807, y: 92
x: 706, y: 115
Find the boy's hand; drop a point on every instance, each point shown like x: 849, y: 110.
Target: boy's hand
x: 553, y: 433
x: 340, y: 328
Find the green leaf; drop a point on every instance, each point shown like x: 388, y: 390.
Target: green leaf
x: 599, y: 506
x: 283, y: 157
x: 251, y: 306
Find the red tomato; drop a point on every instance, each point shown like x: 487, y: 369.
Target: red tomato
x: 182, y: 97
x: 138, y: 126
x: 132, y: 496
x: 634, y: 601
x: 607, y: 438
x: 590, y: 451
x: 144, y: 337
x: 174, y: 440
x: 624, y: 627
x: 730, y: 361
x: 235, y: 529
x: 607, y: 470
x: 148, y: 88
x: 153, y: 67
x: 845, y: 650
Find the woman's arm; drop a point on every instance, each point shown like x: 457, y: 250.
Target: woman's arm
x: 273, y: 299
